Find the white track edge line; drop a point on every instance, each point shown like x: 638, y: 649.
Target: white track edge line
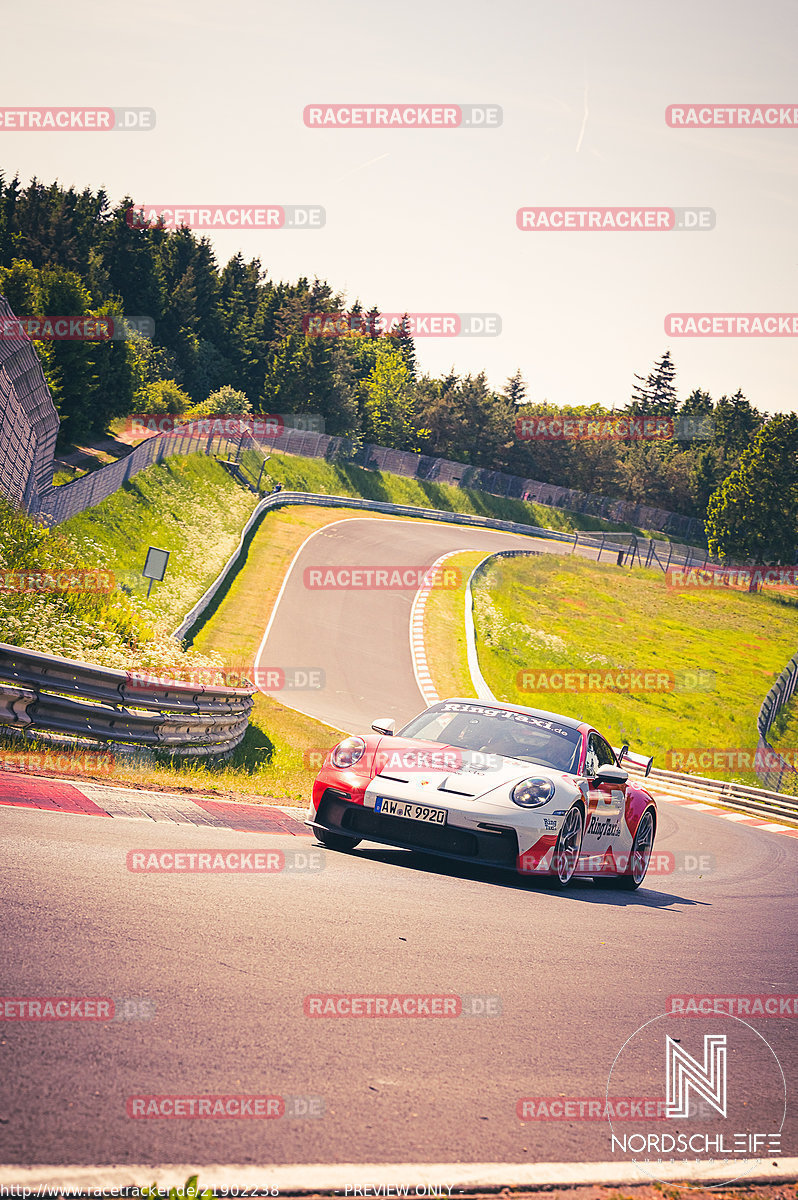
x: 294, y: 1179
x: 418, y: 649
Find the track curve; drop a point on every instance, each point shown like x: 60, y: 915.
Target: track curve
x: 359, y: 638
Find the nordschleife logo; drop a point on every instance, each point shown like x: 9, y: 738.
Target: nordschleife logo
x: 722, y: 1091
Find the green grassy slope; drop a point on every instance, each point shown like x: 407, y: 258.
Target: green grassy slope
x: 316, y: 475
x: 722, y: 650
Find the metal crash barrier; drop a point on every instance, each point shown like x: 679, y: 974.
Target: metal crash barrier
x: 43, y: 694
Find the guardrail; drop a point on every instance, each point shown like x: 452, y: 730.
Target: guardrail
x: 43, y: 694
x: 771, y: 768
x: 756, y: 801
x: 282, y: 499
x: 496, y: 483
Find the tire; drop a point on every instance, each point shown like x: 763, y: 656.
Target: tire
x: 641, y: 853
x: 336, y: 841
x: 568, y: 847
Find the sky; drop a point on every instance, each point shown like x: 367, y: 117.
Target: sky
x: 424, y: 220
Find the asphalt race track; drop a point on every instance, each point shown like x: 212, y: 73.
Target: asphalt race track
x: 226, y: 961
x: 359, y: 638
x: 216, y: 967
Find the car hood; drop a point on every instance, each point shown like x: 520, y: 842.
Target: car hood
x: 429, y: 767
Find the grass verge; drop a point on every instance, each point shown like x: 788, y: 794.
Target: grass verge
x: 444, y: 630
x: 190, y: 506
x: 716, y: 654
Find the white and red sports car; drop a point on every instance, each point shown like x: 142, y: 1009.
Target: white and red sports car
x: 496, y: 784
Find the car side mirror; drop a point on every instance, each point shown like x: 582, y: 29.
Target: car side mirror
x: 609, y: 774
x: 385, y: 725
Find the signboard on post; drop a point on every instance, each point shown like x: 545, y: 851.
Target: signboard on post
x: 155, y: 566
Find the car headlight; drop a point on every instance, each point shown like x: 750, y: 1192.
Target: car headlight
x: 348, y: 752
x: 529, y: 793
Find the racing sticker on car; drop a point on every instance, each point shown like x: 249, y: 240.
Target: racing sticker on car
x: 548, y: 824
x: 504, y: 714
x: 604, y: 828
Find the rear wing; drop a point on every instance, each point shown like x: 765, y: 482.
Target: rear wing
x: 625, y: 755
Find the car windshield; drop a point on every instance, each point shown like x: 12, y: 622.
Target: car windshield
x: 498, y: 731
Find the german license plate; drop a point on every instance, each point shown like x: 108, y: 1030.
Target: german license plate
x: 413, y: 812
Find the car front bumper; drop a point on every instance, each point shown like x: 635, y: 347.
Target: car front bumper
x: 491, y: 847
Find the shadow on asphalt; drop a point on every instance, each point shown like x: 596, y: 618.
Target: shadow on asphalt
x: 590, y: 891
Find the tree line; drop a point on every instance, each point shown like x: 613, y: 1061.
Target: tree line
x: 69, y: 252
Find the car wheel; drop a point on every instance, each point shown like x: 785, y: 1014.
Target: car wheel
x: 641, y: 853
x: 568, y: 847
x: 336, y: 841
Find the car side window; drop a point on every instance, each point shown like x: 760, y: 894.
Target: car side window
x: 598, y: 754
x: 604, y: 751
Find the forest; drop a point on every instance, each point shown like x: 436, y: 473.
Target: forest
x: 208, y: 327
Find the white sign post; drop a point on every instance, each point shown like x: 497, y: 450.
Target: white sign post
x: 155, y: 566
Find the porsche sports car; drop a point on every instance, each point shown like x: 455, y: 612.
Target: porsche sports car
x: 496, y: 784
